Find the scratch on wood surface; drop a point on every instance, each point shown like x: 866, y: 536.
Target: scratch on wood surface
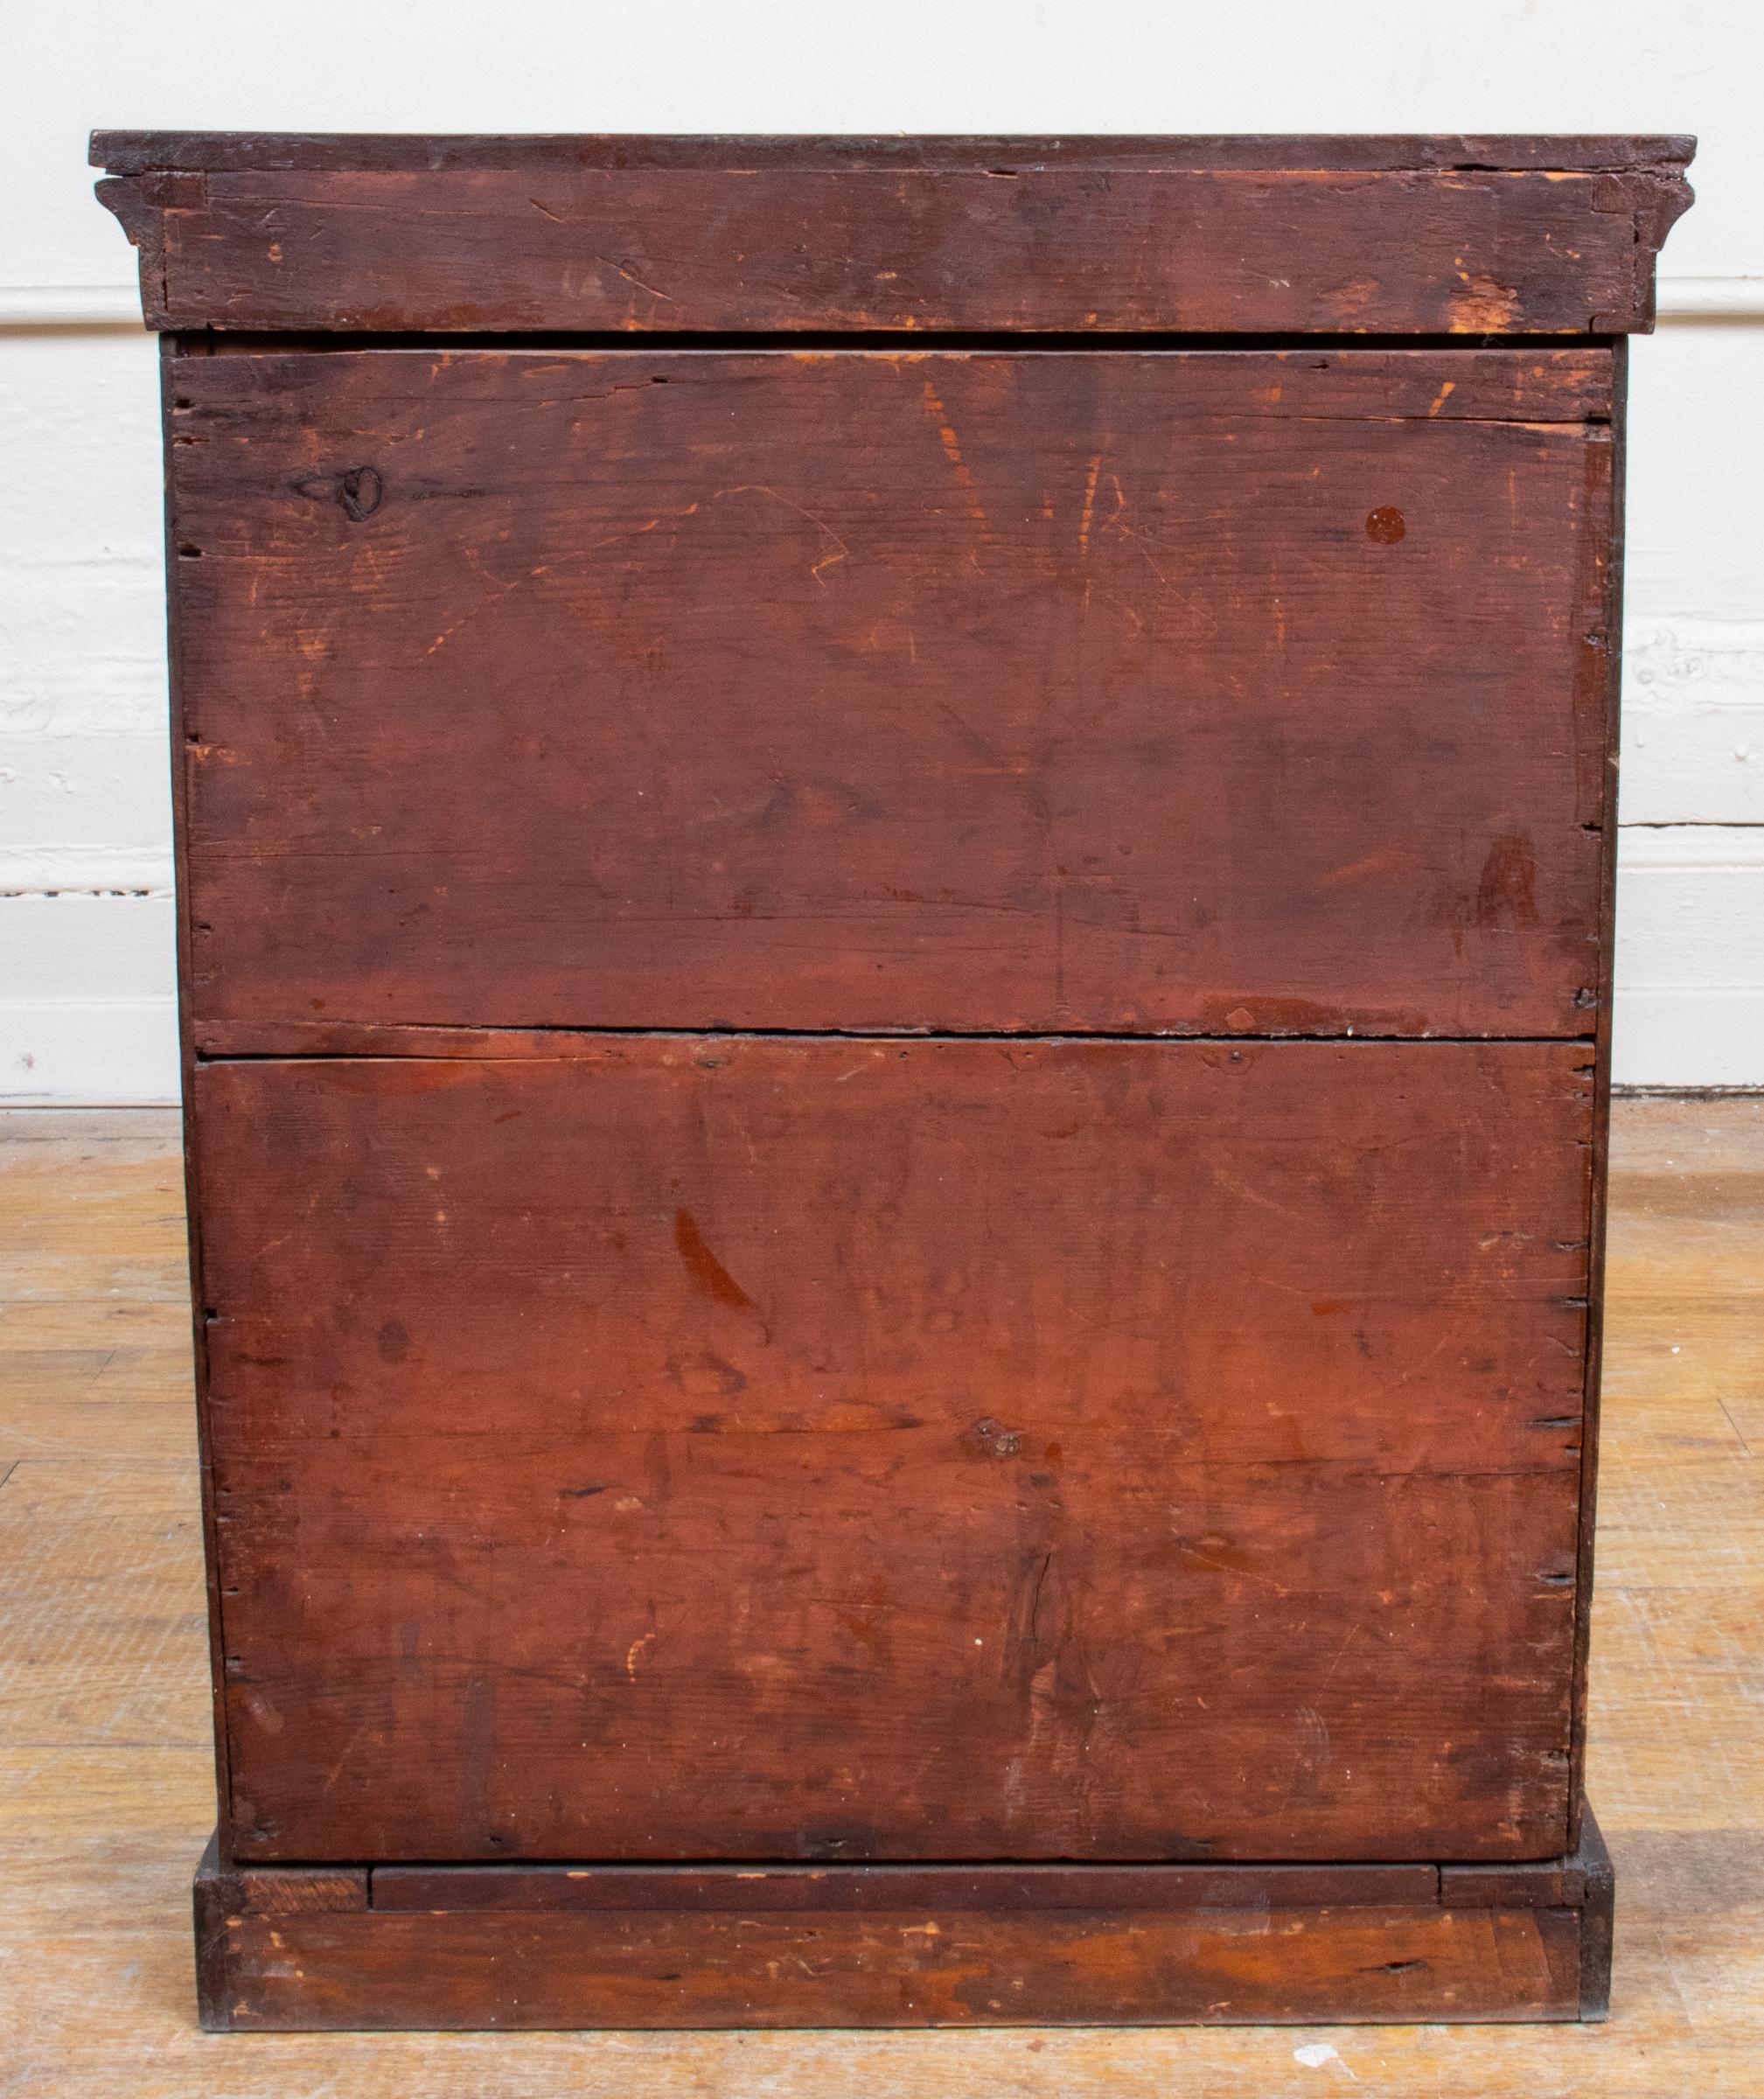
x: 1119, y: 524
x: 328, y: 1782
x: 631, y: 277
x: 1090, y: 504
x: 841, y: 552
x: 952, y: 453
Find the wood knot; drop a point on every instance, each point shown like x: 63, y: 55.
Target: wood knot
x: 360, y: 490
x: 989, y: 1439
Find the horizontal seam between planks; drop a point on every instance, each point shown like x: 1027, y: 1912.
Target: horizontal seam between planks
x: 923, y: 341
x: 898, y: 1037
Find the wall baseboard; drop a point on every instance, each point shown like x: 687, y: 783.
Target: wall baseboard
x: 100, y: 1053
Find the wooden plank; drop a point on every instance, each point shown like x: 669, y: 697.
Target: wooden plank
x: 295, y: 1890
x: 979, y: 691
x: 1513, y: 1887
x: 495, y: 1968
x: 218, y: 152
x: 867, y: 243
x: 934, y: 1888
x: 1598, y: 692
x: 779, y: 1449
x: 1324, y: 382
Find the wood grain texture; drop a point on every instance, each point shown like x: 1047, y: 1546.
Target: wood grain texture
x: 876, y: 1945
x: 668, y: 1449
x: 220, y: 152
x: 489, y: 1969
x: 777, y: 239
x: 1222, y: 693
x: 1010, y: 1463
x: 99, y: 1822
x: 1608, y: 702
x: 1031, y: 1887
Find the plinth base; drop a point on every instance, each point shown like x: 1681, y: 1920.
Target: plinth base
x: 286, y: 1948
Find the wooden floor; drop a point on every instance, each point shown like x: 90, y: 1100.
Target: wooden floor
x: 105, y: 1781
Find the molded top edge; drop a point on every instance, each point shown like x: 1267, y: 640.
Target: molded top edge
x: 209, y: 152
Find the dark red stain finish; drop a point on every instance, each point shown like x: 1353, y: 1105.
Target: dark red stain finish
x: 801, y: 1400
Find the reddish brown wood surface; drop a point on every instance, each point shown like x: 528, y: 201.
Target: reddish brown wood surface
x: 491, y: 1968
x: 901, y: 1945
x: 1219, y: 692
x: 417, y: 153
x: 1028, y: 1459
x: 744, y: 235
x: 752, y: 1888
x: 661, y: 1448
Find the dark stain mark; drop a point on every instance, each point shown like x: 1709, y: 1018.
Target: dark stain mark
x: 393, y: 1341
x: 1396, y: 1967
x: 1323, y: 1306
x: 709, y: 1277
x: 1384, y: 526
x: 360, y: 491
x: 508, y: 1115
x: 581, y: 1493
x: 1053, y: 1454
x: 1504, y: 895
x: 988, y: 1439
x: 779, y: 808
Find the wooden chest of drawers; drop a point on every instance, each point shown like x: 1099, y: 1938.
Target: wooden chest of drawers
x: 895, y: 882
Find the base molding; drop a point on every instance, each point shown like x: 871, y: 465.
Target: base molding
x: 487, y: 1947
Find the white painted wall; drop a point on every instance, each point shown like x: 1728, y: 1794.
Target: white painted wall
x: 86, y: 938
